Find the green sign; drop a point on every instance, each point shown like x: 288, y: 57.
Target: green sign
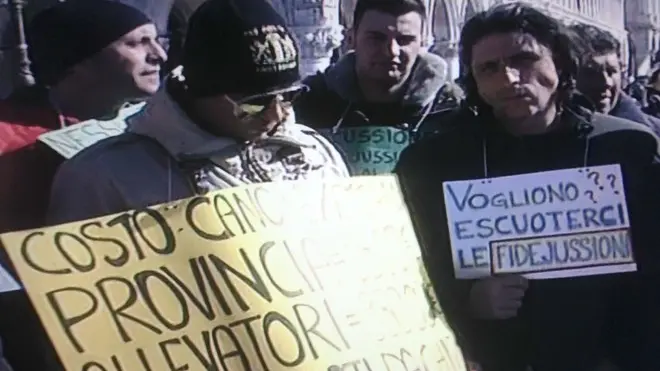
x: 371, y: 150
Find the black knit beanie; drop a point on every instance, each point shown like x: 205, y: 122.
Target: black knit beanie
x: 70, y: 32
x: 238, y: 47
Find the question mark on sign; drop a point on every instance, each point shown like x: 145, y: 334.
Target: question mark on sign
x: 590, y: 194
x: 612, y: 179
x: 596, y: 178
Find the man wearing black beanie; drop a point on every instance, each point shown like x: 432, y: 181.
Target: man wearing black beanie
x: 226, y: 120
x: 95, y: 55
x: 90, y: 58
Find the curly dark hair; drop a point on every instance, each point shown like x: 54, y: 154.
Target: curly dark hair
x: 597, y: 39
x: 519, y: 17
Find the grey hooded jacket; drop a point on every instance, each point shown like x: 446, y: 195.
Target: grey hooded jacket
x: 372, y: 135
x: 334, y: 98
x: 164, y: 156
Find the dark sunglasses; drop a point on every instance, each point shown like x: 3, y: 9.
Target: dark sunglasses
x: 288, y: 96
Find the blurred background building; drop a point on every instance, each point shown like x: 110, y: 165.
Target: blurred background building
x: 320, y: 24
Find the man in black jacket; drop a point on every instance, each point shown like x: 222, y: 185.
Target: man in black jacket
x: 520, y: 119
x: 601, y: 74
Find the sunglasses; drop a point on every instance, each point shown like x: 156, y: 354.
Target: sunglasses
x: 257, y: 103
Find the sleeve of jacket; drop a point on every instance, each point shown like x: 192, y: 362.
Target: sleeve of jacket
x: 648, y: 263
x: 423, y: 195
x: 4, y: 365
x: 81, y: 190
x: 636, y: 305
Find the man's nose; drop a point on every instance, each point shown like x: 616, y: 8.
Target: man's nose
x: 511, y: 75
x: 607, y: 80
x: 157, y: 54
x: 393, y: 48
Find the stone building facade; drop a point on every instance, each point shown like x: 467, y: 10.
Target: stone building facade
x: 320, y: 24
x: 643, y: 24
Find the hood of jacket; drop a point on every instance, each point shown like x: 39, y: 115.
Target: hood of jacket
x: 428, y: 77
x: 163, y: 120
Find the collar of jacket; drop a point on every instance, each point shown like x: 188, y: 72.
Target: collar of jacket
x: 575, y: 117
x: 163, y: 120
x: 428, y: 77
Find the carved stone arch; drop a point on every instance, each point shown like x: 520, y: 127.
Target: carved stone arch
x: 443, y: 24
x: 470, y: 9
x: 280, y: 7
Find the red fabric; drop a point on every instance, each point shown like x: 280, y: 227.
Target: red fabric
x: 27, y: 167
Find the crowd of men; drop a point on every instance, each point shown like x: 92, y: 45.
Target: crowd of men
x: 536, y: 96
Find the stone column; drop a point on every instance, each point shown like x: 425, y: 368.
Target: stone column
x: 318, y: 30
x: 449, y: 52
x: 642, y: 23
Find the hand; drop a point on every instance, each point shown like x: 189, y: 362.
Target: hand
x: 497, y: 297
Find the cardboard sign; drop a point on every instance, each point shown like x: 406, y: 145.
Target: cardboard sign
x: 552, y: 224
x: 70, y: 140
x: 370, y: 150
x: 300, y: 276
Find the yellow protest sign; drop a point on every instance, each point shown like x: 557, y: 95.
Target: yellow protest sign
x: 282, y: 276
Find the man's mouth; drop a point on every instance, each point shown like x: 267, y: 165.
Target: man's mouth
x: 604, y: 101
x: 390, y: 65
x: 517, y: 98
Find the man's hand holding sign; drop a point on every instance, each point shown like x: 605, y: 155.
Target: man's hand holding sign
x: 497, y: 297
x: 554, y: 224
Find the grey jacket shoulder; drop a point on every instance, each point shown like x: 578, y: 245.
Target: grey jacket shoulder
x: 86, y: 185
x: 648, y: 140
x: 603, y: 124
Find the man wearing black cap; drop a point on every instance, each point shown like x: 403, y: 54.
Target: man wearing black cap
x: 225, y: 121
x: 94, y: 56
x: 90, y: 58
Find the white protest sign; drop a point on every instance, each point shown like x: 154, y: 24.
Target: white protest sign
x: 72, y: 139
x: 7, y: 282
x: 562, y: 223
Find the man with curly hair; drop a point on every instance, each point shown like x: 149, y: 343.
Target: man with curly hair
x: 520, y: 117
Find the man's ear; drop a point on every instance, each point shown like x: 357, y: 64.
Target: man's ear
x: 623, y: 66
x: 349, y: 38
